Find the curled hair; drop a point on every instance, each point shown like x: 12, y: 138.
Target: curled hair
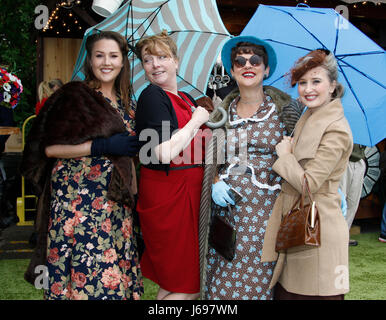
x: 248, y: 47
x: 122, y: 82
x: 318, y: 58
x: 55, y: 82
x: 162, y: 41
x: 44, y: 90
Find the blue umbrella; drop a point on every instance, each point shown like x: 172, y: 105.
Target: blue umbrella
x: 195, y: 26
x: 295, y: 31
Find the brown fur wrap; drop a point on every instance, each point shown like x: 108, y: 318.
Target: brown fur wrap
x: 74, y: 114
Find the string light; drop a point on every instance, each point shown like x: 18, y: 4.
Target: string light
x: 68, y: 4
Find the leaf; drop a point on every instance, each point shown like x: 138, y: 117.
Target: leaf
x: 53, y: 234
x: 61, y: 266
x: 90, y: 289
x: 100, y: 241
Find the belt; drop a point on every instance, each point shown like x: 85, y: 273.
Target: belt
x: 186, y: 167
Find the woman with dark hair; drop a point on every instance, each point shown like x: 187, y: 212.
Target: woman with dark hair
x: 117, y: 73
x: 258, y: 116
x: 320, y: 151
x: 78, y: 154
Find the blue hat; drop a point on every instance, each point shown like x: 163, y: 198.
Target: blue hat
x: 231, y: 43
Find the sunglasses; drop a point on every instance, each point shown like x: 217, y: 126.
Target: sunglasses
x: 254, y: 60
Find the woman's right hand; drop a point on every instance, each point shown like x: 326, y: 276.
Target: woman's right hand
x: 200, y: 115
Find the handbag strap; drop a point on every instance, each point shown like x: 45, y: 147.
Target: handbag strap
x: 306, y: 187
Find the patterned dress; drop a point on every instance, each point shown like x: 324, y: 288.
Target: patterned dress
x: 92, y: 252
x: 248, y: 169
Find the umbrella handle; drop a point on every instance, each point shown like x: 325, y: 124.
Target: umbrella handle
x: 304, y: 5
x: 218, y: 124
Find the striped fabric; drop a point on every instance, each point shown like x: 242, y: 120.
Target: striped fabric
x: 195, y: 26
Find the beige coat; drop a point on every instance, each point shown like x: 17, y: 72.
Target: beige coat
x: 322, y: 146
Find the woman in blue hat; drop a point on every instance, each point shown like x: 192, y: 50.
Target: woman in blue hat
x: 258, y: 117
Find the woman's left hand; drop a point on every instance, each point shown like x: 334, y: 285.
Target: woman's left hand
x: 284, y: 146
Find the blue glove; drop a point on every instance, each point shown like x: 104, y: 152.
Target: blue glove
x: 343, y: 203
x: 120, y: 144
x: 220, y: 194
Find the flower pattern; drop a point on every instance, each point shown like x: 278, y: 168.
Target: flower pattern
x: 92, y: 251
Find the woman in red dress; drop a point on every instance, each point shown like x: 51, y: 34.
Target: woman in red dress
x: 171, y: 173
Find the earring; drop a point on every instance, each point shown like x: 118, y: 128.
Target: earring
x: 265, y: 76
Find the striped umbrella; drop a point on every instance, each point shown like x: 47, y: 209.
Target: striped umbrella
x: 195, y: 26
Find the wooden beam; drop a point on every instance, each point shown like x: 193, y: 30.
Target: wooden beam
x: 39, y: 61
x: 83, y: 14
x: 51, y: 4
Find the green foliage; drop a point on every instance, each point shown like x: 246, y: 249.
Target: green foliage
x: 18, y: 50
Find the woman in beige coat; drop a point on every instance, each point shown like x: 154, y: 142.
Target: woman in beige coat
x: 320, y: 149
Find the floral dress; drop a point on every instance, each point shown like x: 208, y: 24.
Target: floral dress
x: 248, y: 169
x: 92, y: 252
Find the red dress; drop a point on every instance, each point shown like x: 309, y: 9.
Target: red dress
x: 168, y: 207
x: 40, y: 105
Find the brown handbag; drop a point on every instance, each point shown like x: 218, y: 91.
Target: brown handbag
x: 300, y: 227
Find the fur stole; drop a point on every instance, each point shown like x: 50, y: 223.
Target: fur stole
x: 74, y: 114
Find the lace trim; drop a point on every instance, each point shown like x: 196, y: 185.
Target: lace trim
x: 253, y: 179
x: 236, y: 122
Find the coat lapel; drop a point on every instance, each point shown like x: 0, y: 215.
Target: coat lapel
x: 311, y: 127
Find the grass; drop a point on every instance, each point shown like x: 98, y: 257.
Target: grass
x: 367, y: 274
x: 14, y: 287
x: 12, y: 284
x: 367, y: 267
